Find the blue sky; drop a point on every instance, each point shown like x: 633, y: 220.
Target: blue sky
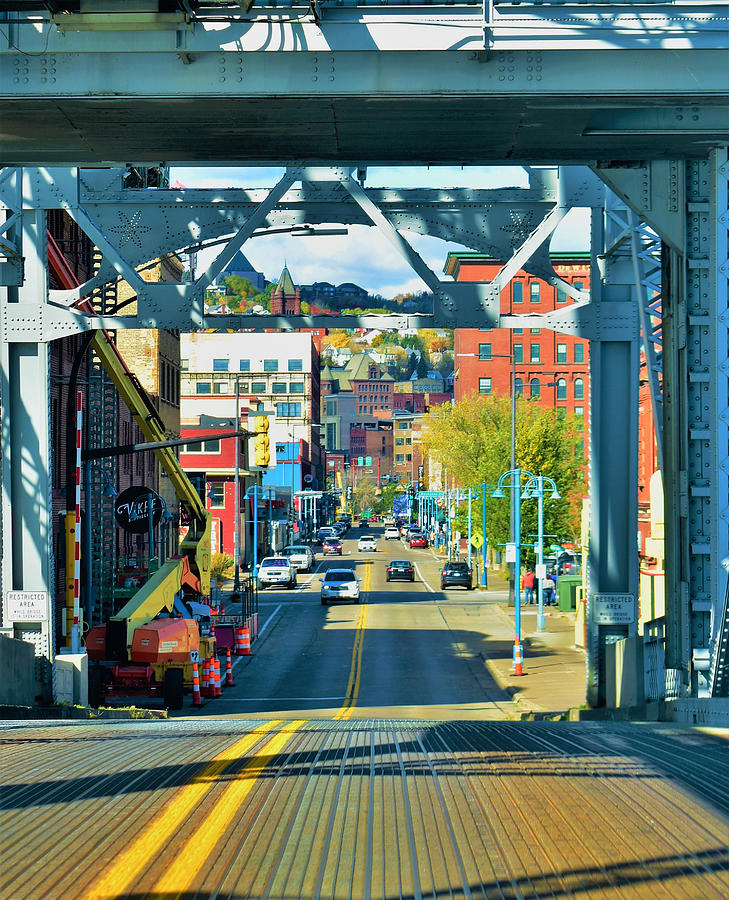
x: 363, y: 256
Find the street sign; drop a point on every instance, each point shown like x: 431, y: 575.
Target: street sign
x: 476, y: 541
x: 27, y: 606
x: 541, y: 571
x: 614, y: 609
x: 511, y: 553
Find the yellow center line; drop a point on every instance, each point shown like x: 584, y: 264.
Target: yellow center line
x: 126, y: 868
x: 355, y: 672
x: 190, y: 859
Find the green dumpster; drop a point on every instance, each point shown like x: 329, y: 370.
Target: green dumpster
x: 567, y: 591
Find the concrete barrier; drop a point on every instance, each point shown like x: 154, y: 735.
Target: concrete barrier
x: 624, y: 676
x: 17, y: 672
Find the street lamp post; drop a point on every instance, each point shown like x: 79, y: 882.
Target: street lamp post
x: 512, y: 481
x: 484, y: 485
x: 254, y: 489
x: 535, y: 488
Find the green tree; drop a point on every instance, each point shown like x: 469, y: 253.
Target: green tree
x: 364, y: 494
x: 472, y: 440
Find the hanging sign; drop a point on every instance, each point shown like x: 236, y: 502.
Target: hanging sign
x: 134, y: 506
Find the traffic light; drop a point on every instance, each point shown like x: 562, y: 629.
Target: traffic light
x: 261, y: 443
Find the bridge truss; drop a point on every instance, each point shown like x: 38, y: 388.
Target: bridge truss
x: 631, y: 96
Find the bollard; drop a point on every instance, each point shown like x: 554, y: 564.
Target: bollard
x: 228, y: 669
x: 196, y: 698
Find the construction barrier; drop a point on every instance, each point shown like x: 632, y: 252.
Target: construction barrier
x: 228, y: 669
x: 245, y: 638
x: 239, y: 640
x: 196, y: 698
x: 218, y: 687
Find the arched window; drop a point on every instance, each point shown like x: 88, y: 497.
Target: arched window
x: 561, y: 388
x: 534, y: 388
x: 579, y: 389
x: 518, y: 387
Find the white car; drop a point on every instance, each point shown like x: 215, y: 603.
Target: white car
x: 301, y: 557
x: 392, y: 533
x: 276, y: 570
x: 367, y: 542
x: 339, y: 584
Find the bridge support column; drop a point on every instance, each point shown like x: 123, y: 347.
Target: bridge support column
x: 27, y: 567
x: 612, y: 561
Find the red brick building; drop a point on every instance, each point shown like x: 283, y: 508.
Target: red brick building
x: 371, y: 450
x: 549, y: 367
x: 286, y: 297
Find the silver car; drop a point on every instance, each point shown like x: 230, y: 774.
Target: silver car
x: 339, y: 584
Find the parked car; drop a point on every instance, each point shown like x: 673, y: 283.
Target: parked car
x: 418, y: 540
x: 339, y: 584
x: 276, y: 570
x: 392, y: 533
x: 456, y: 573
x: 332, y: 546
x: 300, y: 556
x: 368, y: 542
x: 400, y: 568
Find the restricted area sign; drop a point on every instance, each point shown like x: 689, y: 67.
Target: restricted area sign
x: 476, y: 541
x: 614, y: 609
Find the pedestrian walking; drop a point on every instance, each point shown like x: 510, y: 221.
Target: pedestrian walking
x: 550, y: 589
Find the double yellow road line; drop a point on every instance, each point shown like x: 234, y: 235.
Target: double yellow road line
x: 355, y: 672
x: 184, y: 808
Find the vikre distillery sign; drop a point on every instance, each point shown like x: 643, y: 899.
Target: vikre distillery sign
x: 135, y: 506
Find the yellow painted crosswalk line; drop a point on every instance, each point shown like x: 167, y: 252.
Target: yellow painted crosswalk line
x: 191, y: 858
x: 136, y: 859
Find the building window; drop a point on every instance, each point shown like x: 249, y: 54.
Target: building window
x: 579, y: 353
x: 580, y: 411
x: 484, y: 385
x: 561, y: 295
x: 561, y: 412
x: 579, y: 389
x: 535, y: 389
x: 535, y: 331
x: 185, y: 365
x: 535, y: 353
x: 518, y: 351
x: 212, y: 446
x: 331, y: 435
x: 518, y: 387
x: 216, y: 493
x: 296, y: 387
x: 399, y: 457
x: 561, y: 353
x: 289, y: 410
x: 258, y: 387
x: 561, y: 388
x: 517, y: 331
x: 408, y: 457
x: 535, y: 292
x: 220, y: 365
x: 279, y: 387
x: 579, y: 285
x: 485, y: 329
x: 220, y: 387
x: 331, y: 408
x: 202, y: 387
x: 517, y: 291
x: 484, y: 351
x: 403, y: 426
x: 244, y: 365
x: 399, y: 442
x: 270, y: 365
x: 296, y: 365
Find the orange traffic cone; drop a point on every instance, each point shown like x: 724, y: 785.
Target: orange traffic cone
x: 228, y: 669
x: 518, y: 662
x: 206, y: 678
x: 245, y: 642
x: 196, y: 698
x: 218, y: 688
x: 239, y: 641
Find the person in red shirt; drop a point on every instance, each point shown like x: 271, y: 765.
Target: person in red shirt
x: 528, y: 585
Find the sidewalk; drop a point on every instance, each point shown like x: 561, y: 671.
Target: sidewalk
x: 554, y: 679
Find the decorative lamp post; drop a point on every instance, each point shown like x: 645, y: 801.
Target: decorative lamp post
x: 484, y: 486
x: 512, y: 481
x: 535, y: 488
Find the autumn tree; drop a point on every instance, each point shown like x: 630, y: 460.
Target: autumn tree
x: 364, y: 494
x: 472, y: 440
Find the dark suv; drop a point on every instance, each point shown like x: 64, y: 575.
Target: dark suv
x: 456, y: 573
